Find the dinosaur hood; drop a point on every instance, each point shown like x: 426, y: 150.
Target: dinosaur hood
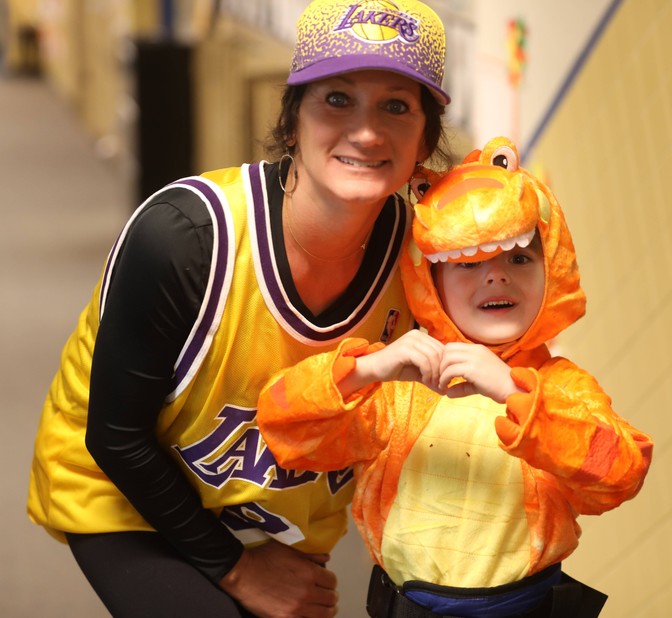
x: 484, y: 206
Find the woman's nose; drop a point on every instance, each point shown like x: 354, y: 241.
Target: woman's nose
x: 366, y: 129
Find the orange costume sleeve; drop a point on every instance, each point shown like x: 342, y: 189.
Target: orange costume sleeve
x: 577, y: 455
x: 564, y: 424
x: 308, y: 425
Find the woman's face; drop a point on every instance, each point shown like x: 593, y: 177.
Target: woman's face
x: 359, y: 136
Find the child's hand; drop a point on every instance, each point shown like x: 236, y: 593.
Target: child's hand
x: 483, y: 371
x: 415, y: 356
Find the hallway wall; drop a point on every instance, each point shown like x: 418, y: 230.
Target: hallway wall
x: 607, y: 151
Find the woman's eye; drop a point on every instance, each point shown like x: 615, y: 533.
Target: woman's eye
x: 337, y: 99
x: 397, y: 107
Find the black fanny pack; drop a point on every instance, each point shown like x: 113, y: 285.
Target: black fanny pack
x: 568, y: 598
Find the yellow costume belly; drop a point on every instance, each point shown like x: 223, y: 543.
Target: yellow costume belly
x: 458, y: 518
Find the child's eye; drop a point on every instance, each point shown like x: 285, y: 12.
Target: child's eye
x: 520, y: 258
x: 337, y: 99
x: 396, y: 106
x: 468, y: 265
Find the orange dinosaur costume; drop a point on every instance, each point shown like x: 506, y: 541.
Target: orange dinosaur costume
x: 467, y: 492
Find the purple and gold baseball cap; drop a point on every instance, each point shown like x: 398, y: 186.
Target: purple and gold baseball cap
x: 340, y: 36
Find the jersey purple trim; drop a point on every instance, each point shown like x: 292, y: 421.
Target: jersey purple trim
x: 271, y: 280
x: 219, y: 282
x: 219, y: 265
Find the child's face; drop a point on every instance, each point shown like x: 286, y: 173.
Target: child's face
x: 494, y: 301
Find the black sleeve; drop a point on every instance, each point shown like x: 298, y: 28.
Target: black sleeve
x: 157, y: 287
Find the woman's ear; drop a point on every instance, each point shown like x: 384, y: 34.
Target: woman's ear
x: 423, y: 152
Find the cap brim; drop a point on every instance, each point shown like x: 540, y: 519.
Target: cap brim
x: 329, y: 67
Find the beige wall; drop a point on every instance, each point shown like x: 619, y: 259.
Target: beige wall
x: 19, y: 14
x: 238, y: 76
x: 608, y: 152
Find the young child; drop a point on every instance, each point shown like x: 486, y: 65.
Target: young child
x: 474, y: 449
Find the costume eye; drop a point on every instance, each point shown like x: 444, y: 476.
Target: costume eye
x: 505, y: 157
x: 418, y: 187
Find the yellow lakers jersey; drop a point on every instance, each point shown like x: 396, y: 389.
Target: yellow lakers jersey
x: 247, y: 329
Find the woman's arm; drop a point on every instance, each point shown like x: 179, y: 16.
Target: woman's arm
x: 153, y: 301
x: 154, y: 298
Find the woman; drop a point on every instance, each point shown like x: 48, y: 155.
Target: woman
x: 148, y: 460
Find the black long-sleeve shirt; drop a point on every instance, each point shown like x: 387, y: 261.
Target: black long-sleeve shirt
x: 152, y: 303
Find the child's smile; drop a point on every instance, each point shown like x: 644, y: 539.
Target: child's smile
x: 497, y: 300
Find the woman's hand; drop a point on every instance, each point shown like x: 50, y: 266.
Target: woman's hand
x: 415, y: 356
x: 482, y: 370
x: 277, y: 581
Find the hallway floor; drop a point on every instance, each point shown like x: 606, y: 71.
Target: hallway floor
x: 61, y: 209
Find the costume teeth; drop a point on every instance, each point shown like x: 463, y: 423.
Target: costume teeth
x: 506, y: 245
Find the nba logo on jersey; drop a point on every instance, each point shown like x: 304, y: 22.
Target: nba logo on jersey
x: 379, y: 21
